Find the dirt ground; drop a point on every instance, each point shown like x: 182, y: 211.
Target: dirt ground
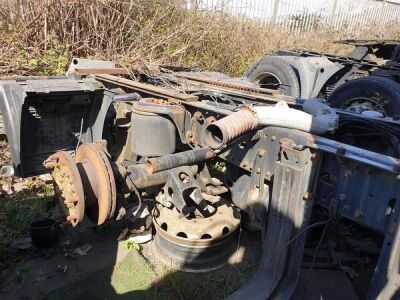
x: 111, y: 270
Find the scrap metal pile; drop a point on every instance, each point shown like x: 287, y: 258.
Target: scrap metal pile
x: 107, y: 140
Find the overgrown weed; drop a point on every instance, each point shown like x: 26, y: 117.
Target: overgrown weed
x: 39, y: 37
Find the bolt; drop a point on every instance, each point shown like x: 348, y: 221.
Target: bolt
x: 49, y: 164
x: 273, y: 138
x: 307, y: 196
x: 71, y: 218
x: 258, y: 170
x: 261, y: 153
x: 358, y: 214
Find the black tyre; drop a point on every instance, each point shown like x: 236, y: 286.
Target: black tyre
x: 273, y: 72
x: 368, y: 93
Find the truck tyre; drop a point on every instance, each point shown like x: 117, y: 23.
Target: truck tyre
x: 273, y: 72
x: 371, y: 93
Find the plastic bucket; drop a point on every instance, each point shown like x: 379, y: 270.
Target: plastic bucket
x: 44, y: 233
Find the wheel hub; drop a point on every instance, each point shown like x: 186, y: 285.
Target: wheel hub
x: 361, y: 104
x: 67, y: 186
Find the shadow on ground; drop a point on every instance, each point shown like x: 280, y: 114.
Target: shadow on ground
x: 111, y: 271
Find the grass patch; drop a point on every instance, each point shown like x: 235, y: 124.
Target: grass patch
x: 134, y: 278
x: 129, y: 279
x: 17, y: 212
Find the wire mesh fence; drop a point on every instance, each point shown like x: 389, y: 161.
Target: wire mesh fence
x: 295, y: 16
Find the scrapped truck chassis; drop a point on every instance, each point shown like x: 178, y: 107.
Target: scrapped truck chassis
x: 96, y: 134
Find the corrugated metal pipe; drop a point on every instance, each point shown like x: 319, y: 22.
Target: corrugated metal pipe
x: 317, y: 118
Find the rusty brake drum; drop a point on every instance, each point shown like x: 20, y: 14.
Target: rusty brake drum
x: 98, y: 182
x: 86, y: 185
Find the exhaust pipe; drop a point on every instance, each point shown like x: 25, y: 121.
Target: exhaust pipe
x: 317, y: 118
x: 226, y: 129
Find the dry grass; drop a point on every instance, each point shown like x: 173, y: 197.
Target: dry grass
x: 39, y: 37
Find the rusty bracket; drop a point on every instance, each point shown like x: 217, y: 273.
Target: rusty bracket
x: 182, y: 191
x: 289, y: 214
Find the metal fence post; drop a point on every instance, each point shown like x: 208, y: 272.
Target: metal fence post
x: 193, y: 4
x: 334, y: 7
x: 275, y: 11
x: 349, y: 16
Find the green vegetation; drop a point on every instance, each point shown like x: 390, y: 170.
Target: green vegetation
x: 21, y: 202
x: 18, y: 211
x: 134, y: 278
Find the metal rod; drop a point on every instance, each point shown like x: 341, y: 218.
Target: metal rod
x: 138, y: 176
x: 178, y: 159
x: 127, y: 97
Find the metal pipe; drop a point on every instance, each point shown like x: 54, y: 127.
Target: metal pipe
x: 127, y: 97
x: 178, y: 159
x: 316, y: 118
x: 140, y: 177
x: 226, y: 129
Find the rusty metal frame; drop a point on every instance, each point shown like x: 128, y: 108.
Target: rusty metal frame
x: 289, y: 214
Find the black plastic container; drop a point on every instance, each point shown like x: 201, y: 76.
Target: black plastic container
x: 44, y: 233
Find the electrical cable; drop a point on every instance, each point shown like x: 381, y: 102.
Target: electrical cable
x: 314, y: 257
x: 138, y: 196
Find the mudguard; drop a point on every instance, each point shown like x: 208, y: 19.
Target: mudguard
x: 46, y: 115
x: 313, y: 73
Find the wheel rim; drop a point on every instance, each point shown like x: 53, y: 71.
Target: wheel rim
x: 361, y: 104
x: 268, y: 80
